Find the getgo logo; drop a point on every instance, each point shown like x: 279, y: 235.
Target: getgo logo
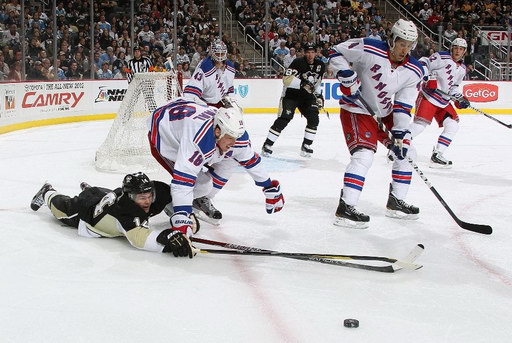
x: 480, y: 92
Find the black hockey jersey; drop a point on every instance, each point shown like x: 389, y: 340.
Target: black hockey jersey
x: 111, y: 213
x: 298, y: 71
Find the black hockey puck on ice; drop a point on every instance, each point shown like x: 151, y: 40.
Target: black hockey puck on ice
x: 351, y: 323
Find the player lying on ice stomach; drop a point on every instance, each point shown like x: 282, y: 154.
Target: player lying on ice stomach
x: 388, y: 78
x: 125, y: 211
x: 200, y: 146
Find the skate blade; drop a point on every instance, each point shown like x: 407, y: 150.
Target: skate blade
x: 203, y: 217
x: 400, y: 215
x: 439, y: 166
x: 344, y: 222
x: 305, y: 154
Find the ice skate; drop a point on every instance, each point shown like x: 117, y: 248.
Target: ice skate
x: 438, y: 161
x: 204, y: 210
x: 38, y: 199
x: 348, y: 216
x: 305, y: 150
x: 266, y: 150
x: 399, y: 209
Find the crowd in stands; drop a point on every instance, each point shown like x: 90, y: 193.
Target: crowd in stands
x: 196, y: 28
x: 290, y: 27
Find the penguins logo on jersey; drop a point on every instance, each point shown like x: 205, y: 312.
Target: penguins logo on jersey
x: 312, y: 76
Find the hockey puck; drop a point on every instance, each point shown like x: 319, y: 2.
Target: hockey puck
x: 351, y: 323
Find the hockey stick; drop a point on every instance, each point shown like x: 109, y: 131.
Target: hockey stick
x: 327, y: 259
x: 479, y: 228
x: 477, y: 110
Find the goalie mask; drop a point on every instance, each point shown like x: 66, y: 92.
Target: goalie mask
x: 405, y: 30
x: 218, y: 51
x: 230, y: 122
x: 138, y: 183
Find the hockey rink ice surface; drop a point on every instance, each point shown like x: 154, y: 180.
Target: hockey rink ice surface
x: 58, y: 287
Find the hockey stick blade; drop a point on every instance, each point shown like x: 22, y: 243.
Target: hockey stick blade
x: 478, y: 228
x: 326, y: 259
x: 408, y: 262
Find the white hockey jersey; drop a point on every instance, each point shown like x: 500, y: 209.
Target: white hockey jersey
x: 385, y: 89
x: 209, y: 83
x: 183, y: 132
x: 448, y: 74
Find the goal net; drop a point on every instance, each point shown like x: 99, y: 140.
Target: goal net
x: 126, y: 148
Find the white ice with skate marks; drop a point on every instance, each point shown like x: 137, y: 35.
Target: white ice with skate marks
x: 58, y: 287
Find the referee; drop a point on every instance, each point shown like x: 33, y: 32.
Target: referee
x: 138, y: 64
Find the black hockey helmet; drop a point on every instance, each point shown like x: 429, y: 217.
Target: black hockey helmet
x: 137, y: 183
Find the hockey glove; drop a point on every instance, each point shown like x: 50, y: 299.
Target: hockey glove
x: 319, y: 100
x: 401, y: 143
x: 461, y: 101
x: 307, y: 86
x: 431, y: 83
x: 176, y: 243
x: 185, y: 223
x: 229, y: 102
x: 349, y: 83
x: 274, y: 197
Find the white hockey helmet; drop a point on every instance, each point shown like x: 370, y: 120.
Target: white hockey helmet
x: 459, y: 42
x: 405, y: 30
x: 230, y: 122
x: 218, y: 50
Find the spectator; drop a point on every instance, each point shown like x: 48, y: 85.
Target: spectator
x: 425, y: 12
x: 120, y: 63
x: 374, y: 34
x: 471, y: 73
x: 253, y: 72
x: 4, y: 70
x: 145, y: 36
x: 288, y: 59
x: 434, y: 20
x: 450, y: 34
x: 186, y: 71
x: 60, y: 73
x: 182, y: 57
x: 15, y: 72
x: 196, y: 57
x: 105, y: 72
x: 73, y: 73
x: 281, y: 52
x: 12, y: 37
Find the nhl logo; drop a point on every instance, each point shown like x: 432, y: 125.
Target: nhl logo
x: 243, y: 90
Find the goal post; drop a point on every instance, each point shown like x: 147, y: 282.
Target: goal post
x: 126, y: 148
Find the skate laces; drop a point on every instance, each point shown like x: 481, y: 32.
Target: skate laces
x: 206, y: 204
x: 352, y: 210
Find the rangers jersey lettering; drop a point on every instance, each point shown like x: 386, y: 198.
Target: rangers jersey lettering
x: 183, y: 132
x: 387, y: 88
x: 209, y: 83
x: 448, y: 74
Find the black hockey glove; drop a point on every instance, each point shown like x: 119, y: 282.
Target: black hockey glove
x: 307, y: 86
x: 176, y: 243
x: 319, y: 100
